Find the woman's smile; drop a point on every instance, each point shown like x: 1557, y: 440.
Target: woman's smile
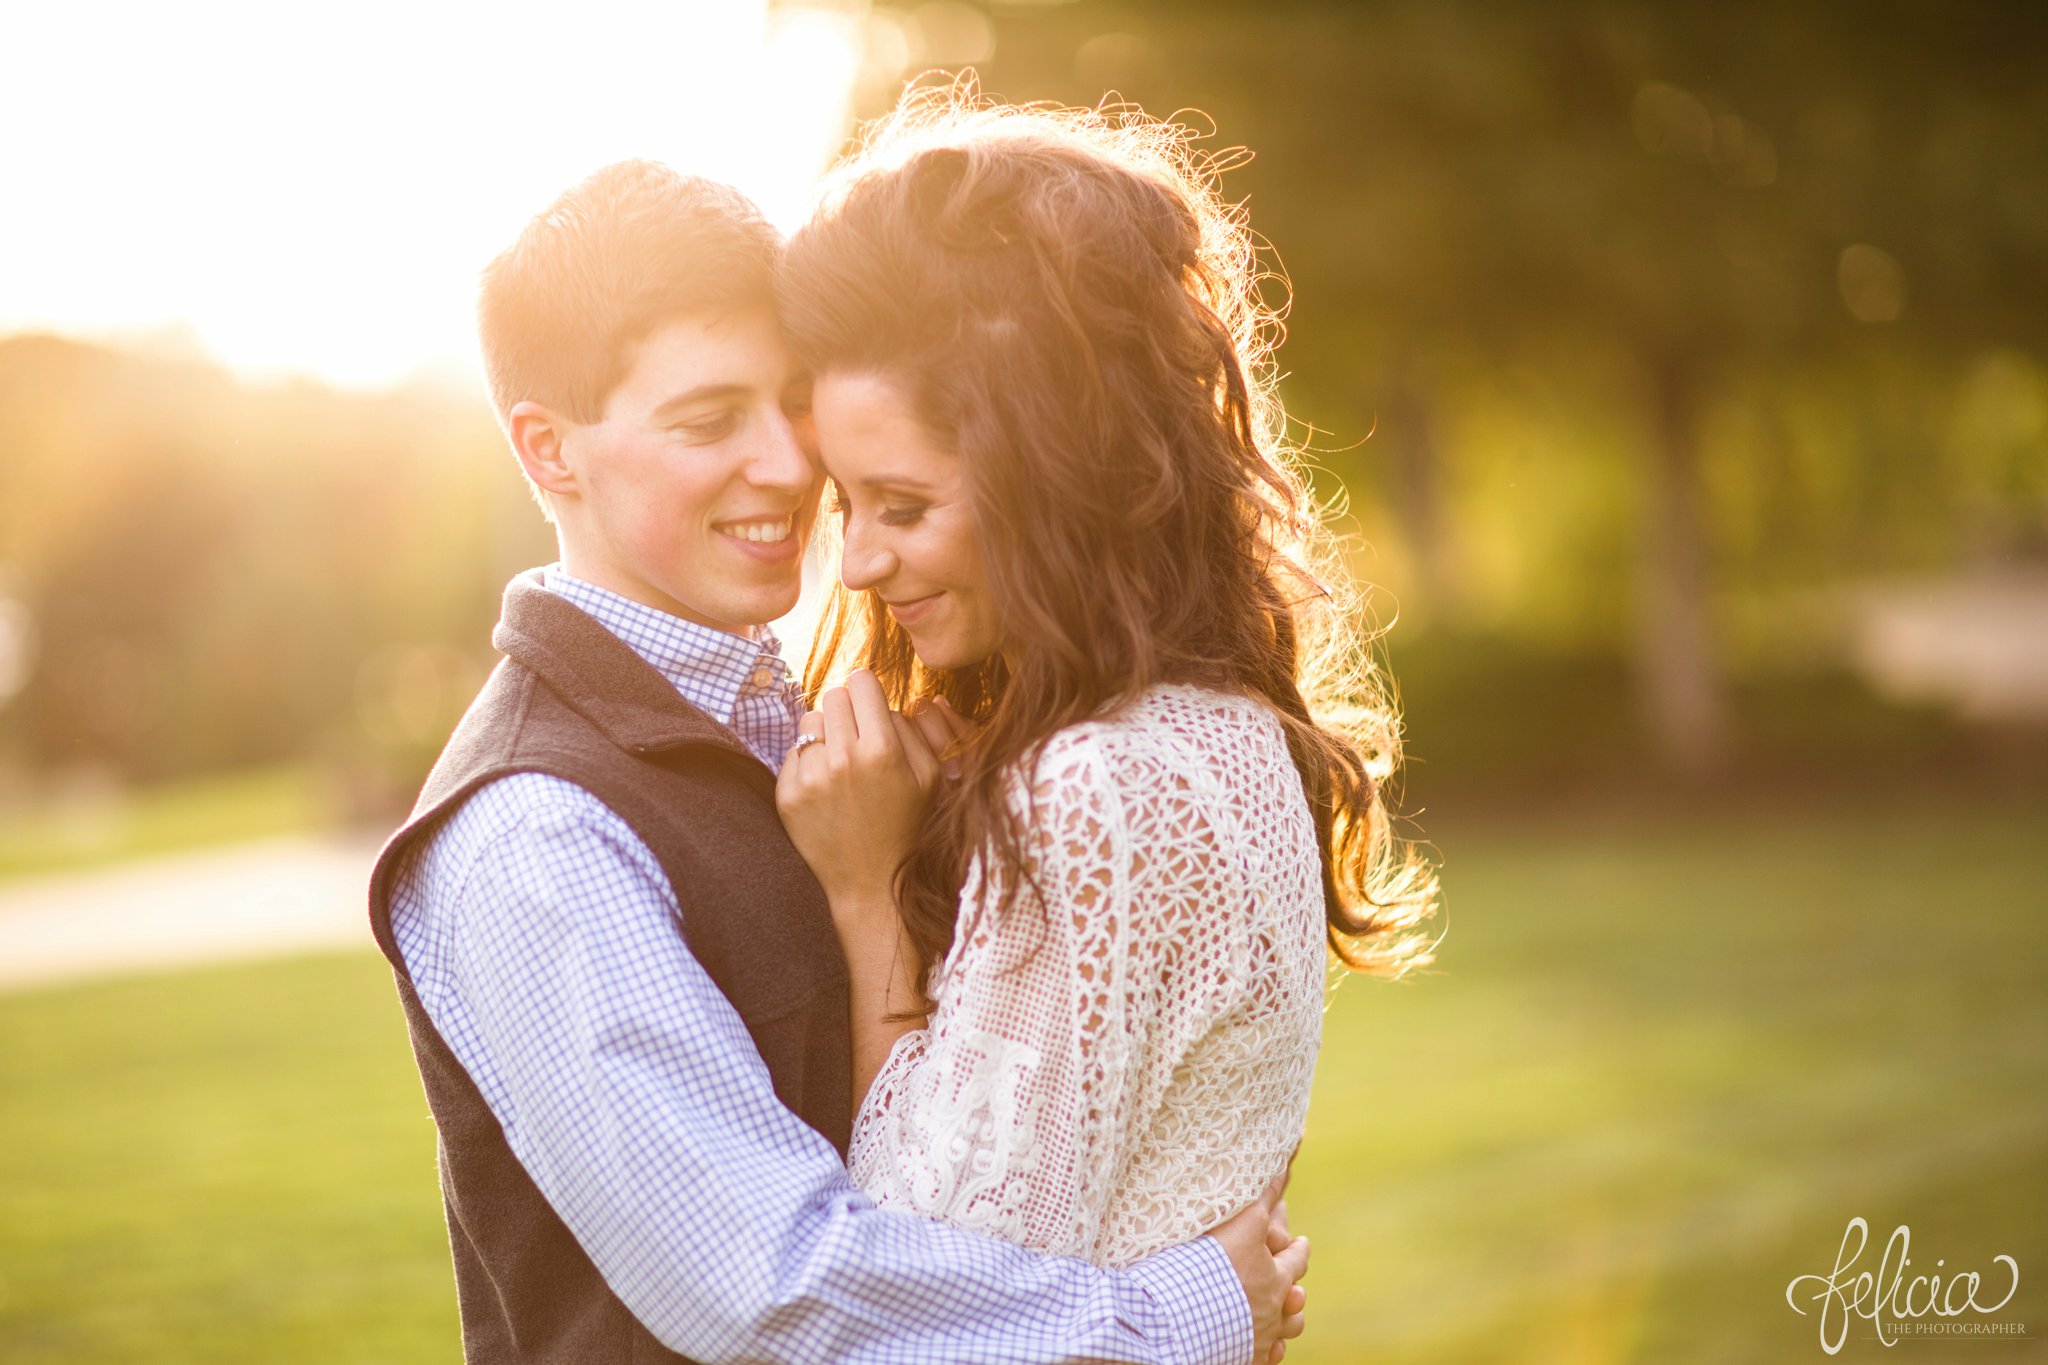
x: 908, y: 612
x: 908, y: 518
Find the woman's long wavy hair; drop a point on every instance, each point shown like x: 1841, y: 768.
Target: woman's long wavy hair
x: 1073, y: 308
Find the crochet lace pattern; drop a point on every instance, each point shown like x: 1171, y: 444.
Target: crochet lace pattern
x: 1120, y: 1052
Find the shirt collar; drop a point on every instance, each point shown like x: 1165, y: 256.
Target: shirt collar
x: 711, y: 668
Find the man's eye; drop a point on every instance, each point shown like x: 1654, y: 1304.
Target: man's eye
x: 709, y: 428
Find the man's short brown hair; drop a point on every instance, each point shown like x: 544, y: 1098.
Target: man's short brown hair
x: 631, y: 247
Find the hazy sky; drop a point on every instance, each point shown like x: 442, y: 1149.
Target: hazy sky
x: 309, y: 191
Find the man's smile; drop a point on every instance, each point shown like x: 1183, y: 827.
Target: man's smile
x: 759, y: 531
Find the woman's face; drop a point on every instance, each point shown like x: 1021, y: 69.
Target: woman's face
x: 909, y: 525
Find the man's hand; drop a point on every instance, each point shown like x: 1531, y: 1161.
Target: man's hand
x: 1269, y: 1264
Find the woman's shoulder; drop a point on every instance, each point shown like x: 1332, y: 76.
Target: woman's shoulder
x: 1172, y: 712
x: 1171, y: 736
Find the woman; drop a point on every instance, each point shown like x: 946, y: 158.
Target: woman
x: 1088, y: 976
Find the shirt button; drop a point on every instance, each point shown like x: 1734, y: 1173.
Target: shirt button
x: 762, y: 678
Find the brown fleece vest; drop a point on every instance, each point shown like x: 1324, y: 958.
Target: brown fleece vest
x: 572, y: 700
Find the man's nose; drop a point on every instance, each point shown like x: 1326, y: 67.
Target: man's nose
x: 779, y: 459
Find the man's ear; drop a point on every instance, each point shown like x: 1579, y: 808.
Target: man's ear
x: 537, y: 435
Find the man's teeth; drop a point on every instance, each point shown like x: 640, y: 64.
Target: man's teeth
x: 761, y: 532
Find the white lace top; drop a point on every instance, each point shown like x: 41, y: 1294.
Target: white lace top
x: 1120, y: 1059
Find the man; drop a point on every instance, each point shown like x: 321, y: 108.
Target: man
x: 622, y: 984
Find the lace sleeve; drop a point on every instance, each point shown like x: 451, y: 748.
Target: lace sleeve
x: 1060, y: 1016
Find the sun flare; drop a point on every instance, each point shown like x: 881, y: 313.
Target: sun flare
x: 304, y: 192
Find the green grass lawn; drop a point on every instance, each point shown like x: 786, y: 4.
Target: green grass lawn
x: 1659, y: 1068
x: 88, y: 830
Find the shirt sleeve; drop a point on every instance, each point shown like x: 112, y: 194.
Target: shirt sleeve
x: 628, y: 1088
x: 1060, y: 1016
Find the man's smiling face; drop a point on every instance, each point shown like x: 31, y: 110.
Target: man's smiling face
x: 695, y: 492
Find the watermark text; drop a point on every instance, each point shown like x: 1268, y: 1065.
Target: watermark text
x: 1890, y: 1300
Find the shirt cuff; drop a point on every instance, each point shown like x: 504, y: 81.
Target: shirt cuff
x: 1194, y: 1286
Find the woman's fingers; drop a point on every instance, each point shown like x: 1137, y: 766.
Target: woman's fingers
x: 938, y: 734
x: 786, y: 782
x: 924, y: 763
x: 861, y: 734
x: 871, y: 713
x: 810, y: 732
x: 960, y: 726
x: 851, y: 799
x: 841, y: 729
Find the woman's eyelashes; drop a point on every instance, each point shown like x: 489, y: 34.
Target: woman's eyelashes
x: 892, y: 514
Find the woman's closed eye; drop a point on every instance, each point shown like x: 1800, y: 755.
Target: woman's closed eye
x: 904, y: 514
x: 892, y: 514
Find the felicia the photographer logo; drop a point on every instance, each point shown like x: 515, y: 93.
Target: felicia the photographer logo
x: 1936, y: 1304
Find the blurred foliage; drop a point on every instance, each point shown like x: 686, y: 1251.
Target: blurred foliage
x: 78, y: 825
x: 1664, y: 1064
x: 1505, y: 226
x: 1622, y: 325
x: 219, y: 575
x: 1634, y: 335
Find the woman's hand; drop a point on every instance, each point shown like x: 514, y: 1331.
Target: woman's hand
x: 943, y: 728
x: 852, y: 797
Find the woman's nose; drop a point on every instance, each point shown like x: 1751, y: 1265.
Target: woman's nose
x: 865, y: 562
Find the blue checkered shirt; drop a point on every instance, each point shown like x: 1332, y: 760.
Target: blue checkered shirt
x: 742, y: 683
x: 541, y: 936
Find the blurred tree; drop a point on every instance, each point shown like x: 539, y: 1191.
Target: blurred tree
x: 1649, y: 212
x: 222, y: 574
